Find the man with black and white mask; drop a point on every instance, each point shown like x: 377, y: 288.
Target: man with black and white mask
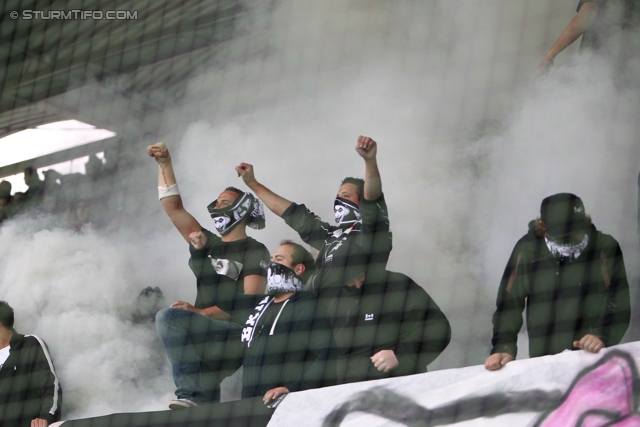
x: 286, y: 335
x: 201, y: 340
x: 360, y: 214
x: 571, y: 279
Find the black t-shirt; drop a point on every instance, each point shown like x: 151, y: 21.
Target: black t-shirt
x: 221, y: 267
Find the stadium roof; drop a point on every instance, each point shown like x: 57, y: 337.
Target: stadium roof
x: 148, y: 53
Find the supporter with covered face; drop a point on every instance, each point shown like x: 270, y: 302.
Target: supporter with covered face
x: 571, y: 279
x: 360, y: 214
x: 201, y: 340
x: 287, y: 336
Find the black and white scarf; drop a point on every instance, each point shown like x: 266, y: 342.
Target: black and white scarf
x: 346, y: 212
x: 226, y: 219
x: 252, y: 325
x: 252, y: 322
x: 281, y: 279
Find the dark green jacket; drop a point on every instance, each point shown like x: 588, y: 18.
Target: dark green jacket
x: 564, y: 299
x: 293, y: 348
x: 389, y: 312
x: 29, y: 387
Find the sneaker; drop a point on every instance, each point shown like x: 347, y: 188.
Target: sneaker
x: 182, y: 403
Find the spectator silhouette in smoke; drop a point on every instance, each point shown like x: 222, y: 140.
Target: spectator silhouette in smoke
x: 572, y: 280
x: 51, y: 200
x: 5, y: 200
x: 360, y: 214
x: 77, y: 215
x: 201, y: 341
x: 29, y: 389
x: 150, y: 301
x: 36, y: 186
x: 18, y: 204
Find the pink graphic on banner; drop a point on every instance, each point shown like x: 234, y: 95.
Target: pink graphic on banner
x: 598, y: 398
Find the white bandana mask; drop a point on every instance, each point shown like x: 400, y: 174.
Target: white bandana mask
x: 566, y: 250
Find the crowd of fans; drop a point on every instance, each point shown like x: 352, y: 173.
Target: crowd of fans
x: 77, y: 198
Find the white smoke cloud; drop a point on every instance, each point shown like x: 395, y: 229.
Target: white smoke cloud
x: 469, y: 144
x: 78, y: 292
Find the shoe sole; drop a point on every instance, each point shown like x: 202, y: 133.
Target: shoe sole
x: 178, y: 406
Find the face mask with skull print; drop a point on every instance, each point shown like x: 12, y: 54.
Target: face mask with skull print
x: 226, y: 219
x: 346, y: 212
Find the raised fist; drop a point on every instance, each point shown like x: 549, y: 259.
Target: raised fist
x: 198, y: 239
x: 159, y: 151
x: 366, y: 147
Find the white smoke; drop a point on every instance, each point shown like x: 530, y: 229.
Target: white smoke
x: 78, y: 292
x: 469, y: 144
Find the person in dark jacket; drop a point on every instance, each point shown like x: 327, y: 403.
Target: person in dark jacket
x: 286, y: 334
x: 571, y: 279
x: 385, y: 325
x: 30, y: 393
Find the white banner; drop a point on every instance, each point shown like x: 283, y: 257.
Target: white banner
x: 569, y: 389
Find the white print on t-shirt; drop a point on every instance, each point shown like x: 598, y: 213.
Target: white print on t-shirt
x: 4, y: 355
x: 340, y: 239
x: 227, y: 267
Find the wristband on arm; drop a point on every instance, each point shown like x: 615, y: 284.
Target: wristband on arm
x: 168, y: 191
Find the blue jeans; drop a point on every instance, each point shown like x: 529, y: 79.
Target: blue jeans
x: 202, y: 352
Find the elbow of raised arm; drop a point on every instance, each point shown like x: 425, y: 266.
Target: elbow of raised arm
x: 281, y: 208
x: 172, y: 204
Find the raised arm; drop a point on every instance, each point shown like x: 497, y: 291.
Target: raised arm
x: 274, y: 202
x: 367, y: 148
x: 169, y: 194
x: 576, y: 27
